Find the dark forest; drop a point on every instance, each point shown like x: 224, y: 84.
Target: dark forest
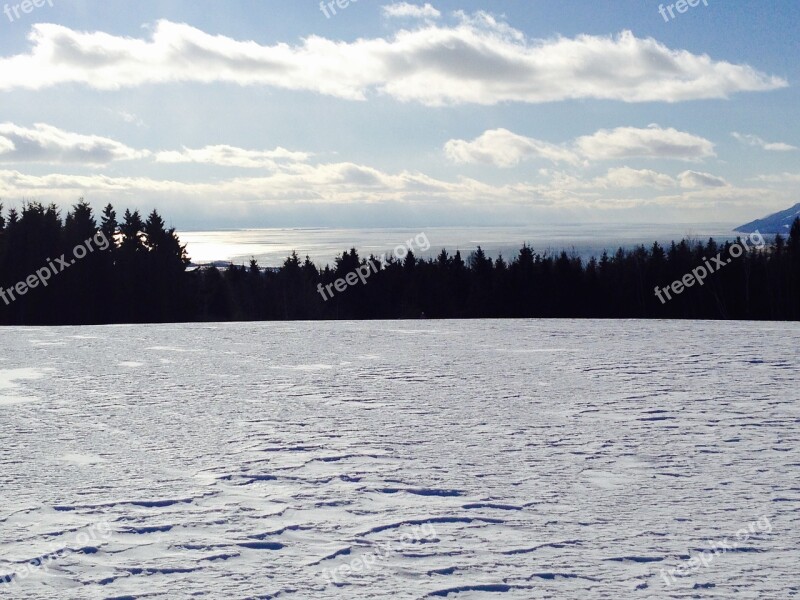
x: 134, y: 270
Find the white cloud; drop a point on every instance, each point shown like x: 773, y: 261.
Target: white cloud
x: 618, y: 178
x: 754, y: 140
x: 506, y: 149
x: 503, y: 148
x: 230, y: 156
x: 626, y: 177
x: 413, y: 11
x: 6, y: 146
x: 652, y: 142
x: 778, y: 147
x: 342, y: 187
x: 299, y: 183
x: 477, y: 60
x: 47, y: 144
x: 780, y: 178
x: 696, y: 179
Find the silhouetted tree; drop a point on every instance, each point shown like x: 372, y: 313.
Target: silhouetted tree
x: 137, y: 271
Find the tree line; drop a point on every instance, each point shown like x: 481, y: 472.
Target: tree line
x: 143, y: 275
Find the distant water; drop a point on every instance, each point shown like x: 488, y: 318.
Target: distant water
x: 271, y: 246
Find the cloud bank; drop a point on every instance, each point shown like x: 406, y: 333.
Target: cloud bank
x: 505, y: 149
x: 476, y: 60
x: 230, y: 156
x: 47, y: 144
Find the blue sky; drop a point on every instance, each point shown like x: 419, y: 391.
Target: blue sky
x: 269, y: 113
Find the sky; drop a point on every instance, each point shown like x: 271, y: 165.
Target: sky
x: 293, y: 113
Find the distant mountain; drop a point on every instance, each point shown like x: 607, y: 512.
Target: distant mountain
x: 780, y: 222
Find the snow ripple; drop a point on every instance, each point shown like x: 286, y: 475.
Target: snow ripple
x: 513, y: 459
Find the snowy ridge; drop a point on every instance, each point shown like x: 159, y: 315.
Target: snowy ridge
x: 779, y: 222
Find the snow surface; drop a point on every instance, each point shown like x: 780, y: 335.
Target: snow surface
x: 479, y: 459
